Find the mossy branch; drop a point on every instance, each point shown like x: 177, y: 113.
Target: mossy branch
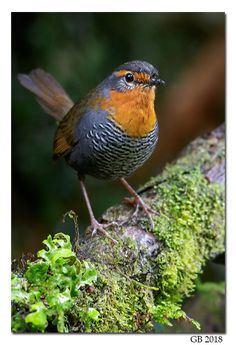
x: 145, y: 277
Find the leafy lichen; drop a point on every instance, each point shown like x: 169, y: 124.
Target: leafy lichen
x: 49, y: 288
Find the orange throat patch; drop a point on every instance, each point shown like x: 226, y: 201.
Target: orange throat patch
x: 133, y: 111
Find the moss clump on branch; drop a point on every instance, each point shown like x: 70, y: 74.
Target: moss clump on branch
x: 189, y: 230
x: 145, y: 277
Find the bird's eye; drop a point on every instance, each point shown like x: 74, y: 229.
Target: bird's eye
x: 129, y: 77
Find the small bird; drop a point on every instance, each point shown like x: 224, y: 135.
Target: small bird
x: 108, y: 134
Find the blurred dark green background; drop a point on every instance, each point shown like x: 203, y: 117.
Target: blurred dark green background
x: 80, y: 50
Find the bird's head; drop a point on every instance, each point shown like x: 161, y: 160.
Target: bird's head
x: 135, y: 75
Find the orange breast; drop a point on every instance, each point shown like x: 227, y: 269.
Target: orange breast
x: 132, y: 110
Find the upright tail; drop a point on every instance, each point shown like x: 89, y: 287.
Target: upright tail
x: 49, y: 93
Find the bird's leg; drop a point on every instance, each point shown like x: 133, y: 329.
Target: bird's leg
x: 139, y: 201
x: 95, y: 225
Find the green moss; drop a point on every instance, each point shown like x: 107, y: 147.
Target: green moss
x: 166, y: 310
x: 189, y: 227
x: 123, y: 305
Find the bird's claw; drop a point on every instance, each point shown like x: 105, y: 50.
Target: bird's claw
x: 96, y: 226
x: 140, y: 204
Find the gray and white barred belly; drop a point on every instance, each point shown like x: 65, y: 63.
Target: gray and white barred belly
x: 114, y: 154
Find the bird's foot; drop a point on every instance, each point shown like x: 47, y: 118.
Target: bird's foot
x: 138, y: 201
x: 96, y: 226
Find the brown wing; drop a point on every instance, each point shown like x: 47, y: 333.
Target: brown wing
x: 64, y: 139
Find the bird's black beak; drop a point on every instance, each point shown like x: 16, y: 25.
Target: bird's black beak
x: 160, y: 82
x: 155, y: 80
